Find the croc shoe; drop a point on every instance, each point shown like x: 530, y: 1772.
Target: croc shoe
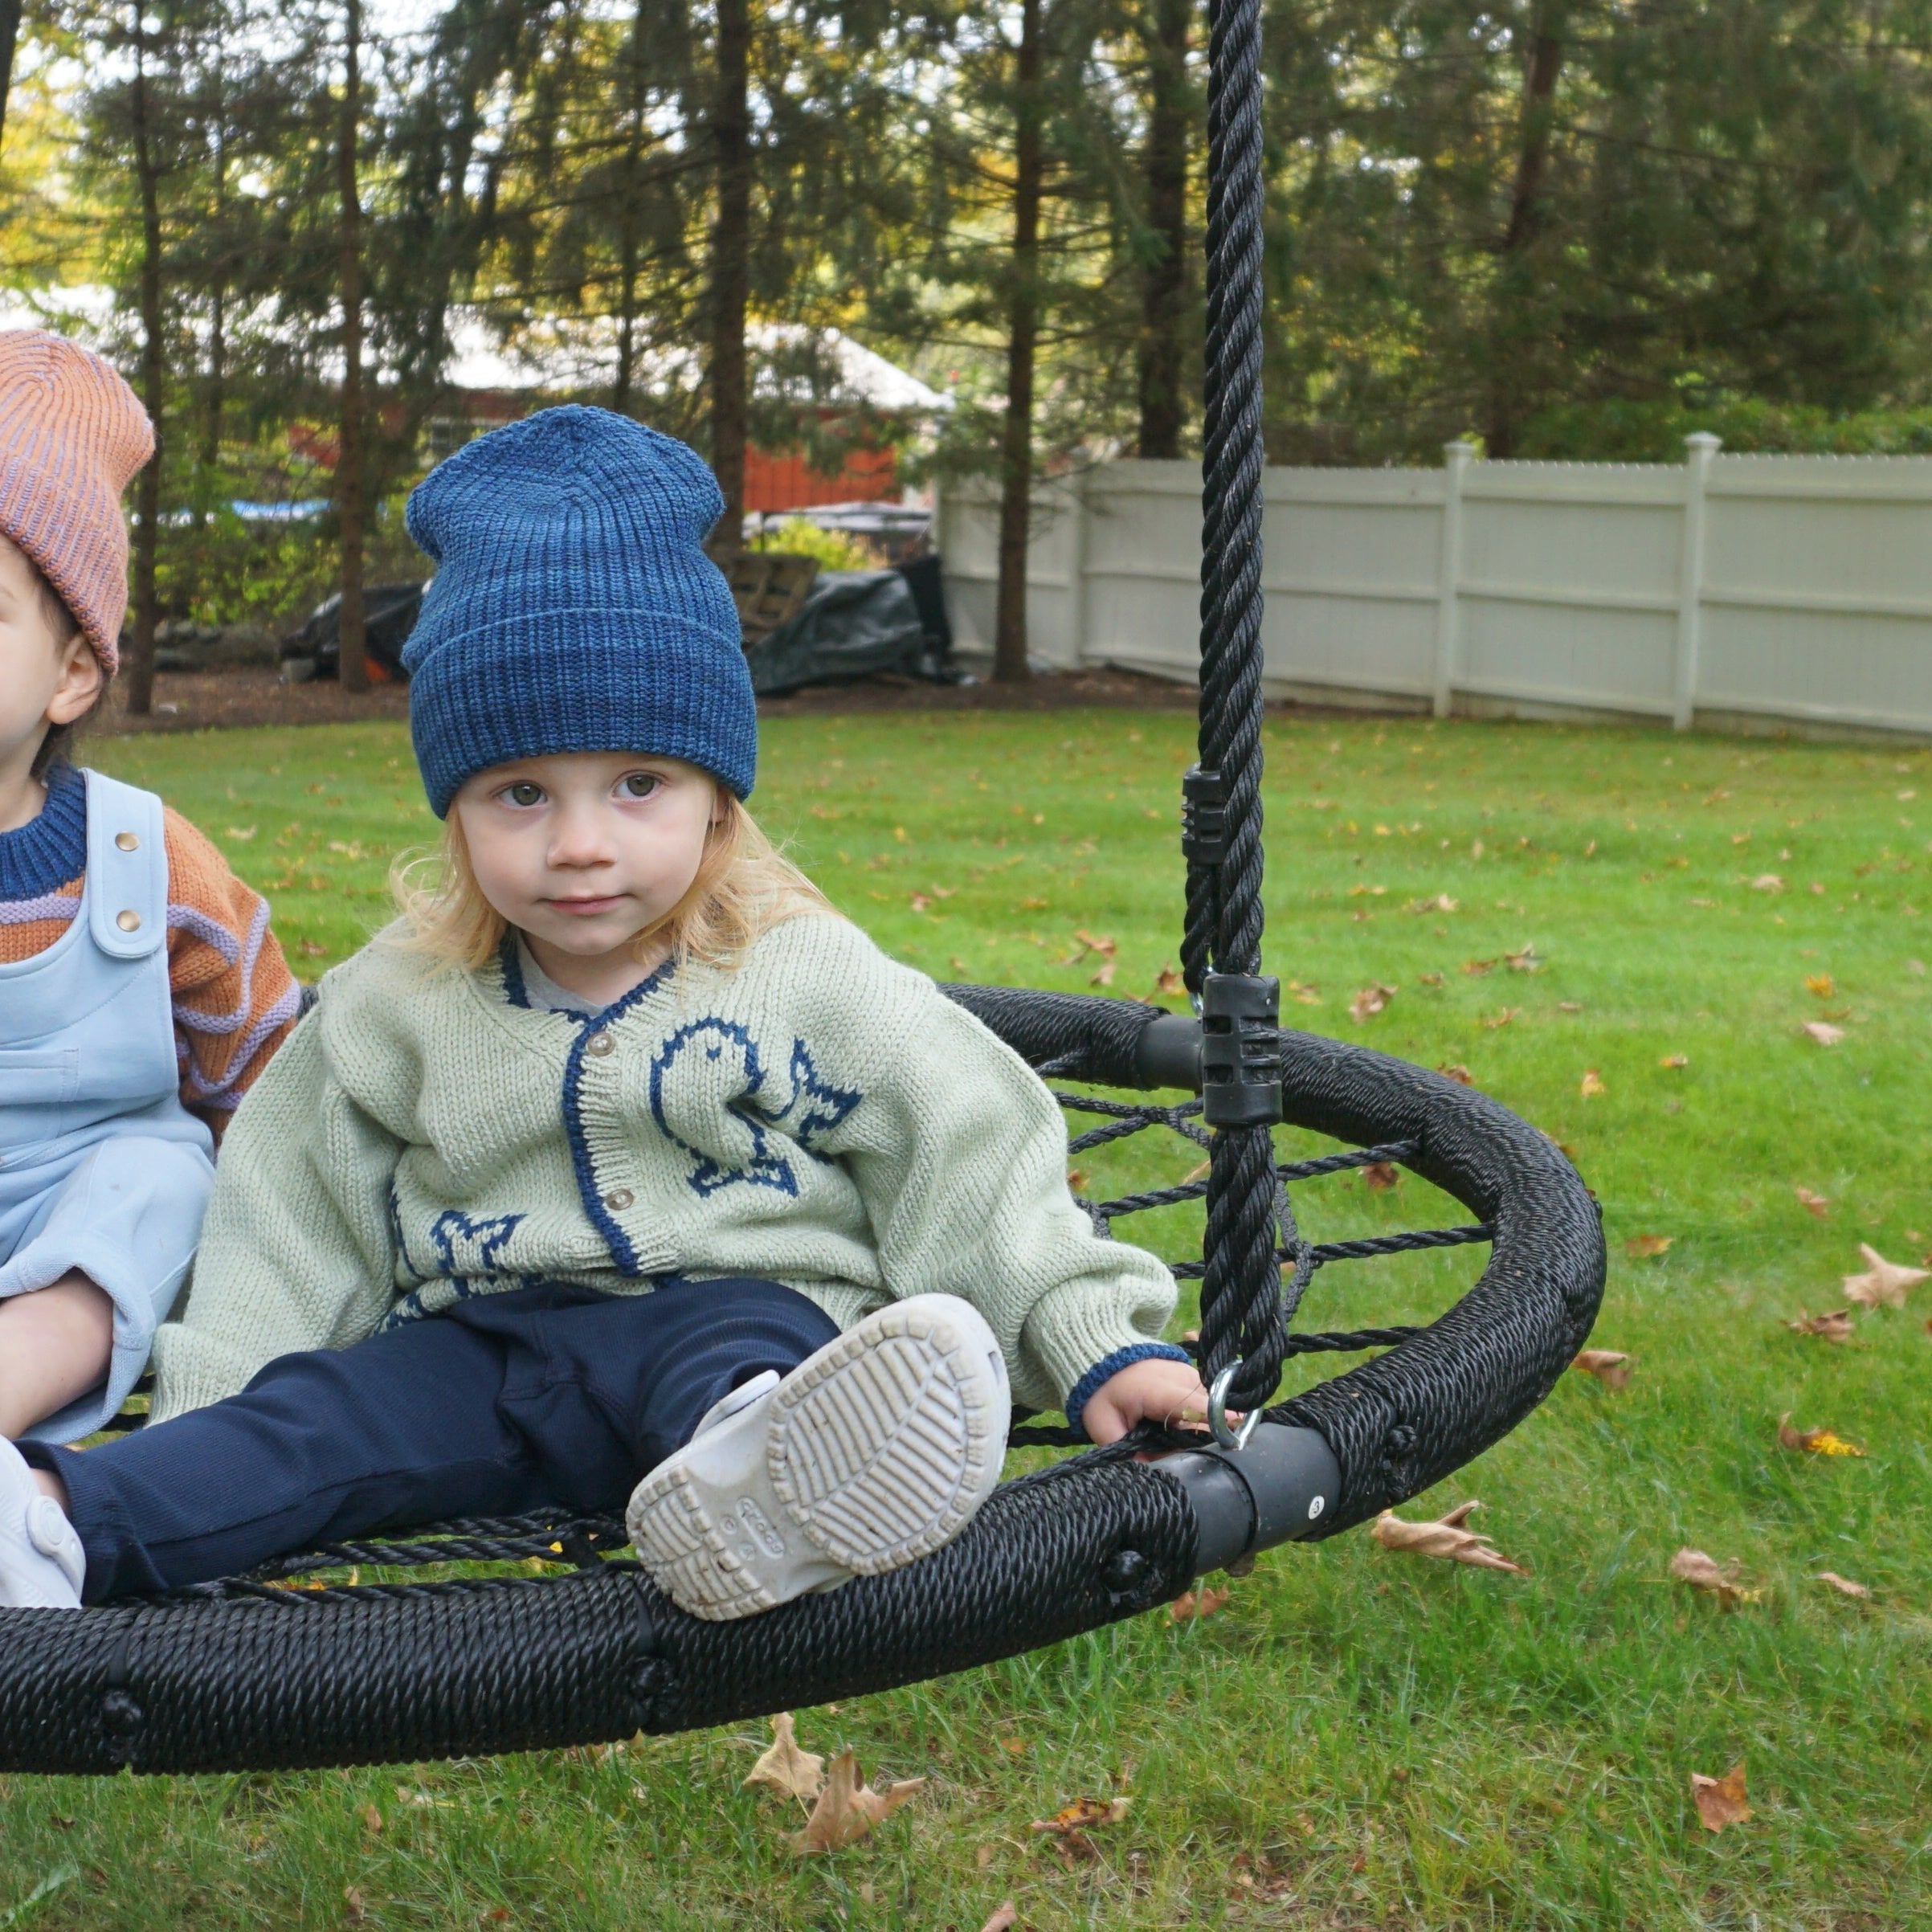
x: 42, y: 1562
x: 872, y: 1453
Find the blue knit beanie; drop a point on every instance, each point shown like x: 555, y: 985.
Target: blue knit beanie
x: 574, y: 608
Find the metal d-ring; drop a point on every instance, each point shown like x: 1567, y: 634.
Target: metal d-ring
x: 1225, y: 1432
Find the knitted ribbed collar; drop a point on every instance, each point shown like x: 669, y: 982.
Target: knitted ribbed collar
x: 48, y: 851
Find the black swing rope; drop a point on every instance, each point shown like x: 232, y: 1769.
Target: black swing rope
x: 270, y: 1670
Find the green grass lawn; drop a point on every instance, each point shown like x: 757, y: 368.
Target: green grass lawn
x: 1358, y: 1739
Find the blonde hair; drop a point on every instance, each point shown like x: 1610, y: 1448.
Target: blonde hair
x: 745, y: 886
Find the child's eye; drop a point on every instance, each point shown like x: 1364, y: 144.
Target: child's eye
x: 638, y: 784
x: 524, y: 793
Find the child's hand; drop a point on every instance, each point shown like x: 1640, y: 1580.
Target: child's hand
x: 1155, y: 1390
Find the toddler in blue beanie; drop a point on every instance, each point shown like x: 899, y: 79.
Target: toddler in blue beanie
x: 620, y: 1170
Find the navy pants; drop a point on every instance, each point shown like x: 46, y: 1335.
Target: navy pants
x: 502, y: 1404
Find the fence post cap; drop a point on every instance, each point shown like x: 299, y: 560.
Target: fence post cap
x: 1702, y: 443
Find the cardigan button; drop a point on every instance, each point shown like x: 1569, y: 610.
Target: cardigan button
x: 127, y: 841
x: 600, y: 1044
x: 618, y: 1199
x: 129, y: 921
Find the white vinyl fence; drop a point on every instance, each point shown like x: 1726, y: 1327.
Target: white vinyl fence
x: 1726, y: 590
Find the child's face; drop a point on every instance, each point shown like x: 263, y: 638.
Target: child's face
x: 582, y: 850
x: 45, y: 678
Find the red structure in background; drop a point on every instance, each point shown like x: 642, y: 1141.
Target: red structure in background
x: 788, y: 482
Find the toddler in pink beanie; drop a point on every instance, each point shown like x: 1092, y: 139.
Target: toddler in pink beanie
x: 141, y: 991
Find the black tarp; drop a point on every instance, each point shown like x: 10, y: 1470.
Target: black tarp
x: 853, y: 624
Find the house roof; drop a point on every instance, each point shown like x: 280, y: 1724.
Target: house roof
x: 823, y: 367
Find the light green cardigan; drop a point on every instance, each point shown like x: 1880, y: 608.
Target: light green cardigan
x: 820, y: 1115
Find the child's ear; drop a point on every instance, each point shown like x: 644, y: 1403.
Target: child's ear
x: 80, y: 681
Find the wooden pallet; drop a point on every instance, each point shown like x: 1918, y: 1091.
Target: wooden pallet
x: 768, y: 587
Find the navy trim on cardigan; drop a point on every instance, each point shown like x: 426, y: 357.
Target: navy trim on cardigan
x: 1110, y: 1365
x: 51, y: 850
x: 514, y: 991
x: 619, y: 1242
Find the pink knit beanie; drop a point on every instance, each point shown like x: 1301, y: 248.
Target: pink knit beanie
x: 71, y: 434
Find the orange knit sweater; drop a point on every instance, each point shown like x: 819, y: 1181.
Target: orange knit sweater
x: 235, y: 999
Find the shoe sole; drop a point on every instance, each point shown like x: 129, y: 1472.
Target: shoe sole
x: 878, y: 1451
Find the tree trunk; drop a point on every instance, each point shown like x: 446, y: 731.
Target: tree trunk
x: 10, y: 32
x: 153, y: 387
x: 731, y: 263
x: 1526, y: 211
x: 1023, y: 333
x: 626, y: 216
x: 215, y: 398
x: 1164, y: 287
x: 351, y: 628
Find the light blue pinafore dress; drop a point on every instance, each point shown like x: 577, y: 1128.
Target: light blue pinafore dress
x: 102, y: 1169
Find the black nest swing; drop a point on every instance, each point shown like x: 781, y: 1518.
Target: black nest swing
x: 252, y: 1674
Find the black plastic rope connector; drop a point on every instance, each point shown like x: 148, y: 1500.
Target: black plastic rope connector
x: 1241, y: 1049
x: 1203, y: 816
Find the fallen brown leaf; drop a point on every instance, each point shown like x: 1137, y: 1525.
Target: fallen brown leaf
x: 1705, y: 1573
x: 785, y: 1769
x: 1006, y: 1915
x: 1836, y: 1326
x: 1104, y: 976
x: 1818, y: 1204
x: 1083, y: 1815
x: 1103, y: 943
x: 1719, y: 1801
x: 372, y: 1818
x: 1591, y: 1086
x: 1444, y: 1539
x: 1455, y: 1070
x: 1380, y: 1176
x: 1077, y: 1178
x: 1820, y: 983
x: 1882, y: 1281
x: 1675, y: 1061
x: 1824, y: 1032
x: 1524, y: 962
x: 847, y: 1807
x: 1502, y: 1019
x: 1369, y: 1002
x: 1476, y: 968
x: 1168, y: 984
x: 357, y: 1908
x: 1647, y: 1248
x: 1441, y: 903
x: 1610, y: 1366
x: 1843, y: 1585
x: 1191, y: 1604
x: 1817, y: 1442
x: 1768, y: 882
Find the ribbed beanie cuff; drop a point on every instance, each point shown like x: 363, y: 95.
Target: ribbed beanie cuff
x: 489, y: 698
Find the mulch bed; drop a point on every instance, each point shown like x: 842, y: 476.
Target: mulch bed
x: 198, y: 700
